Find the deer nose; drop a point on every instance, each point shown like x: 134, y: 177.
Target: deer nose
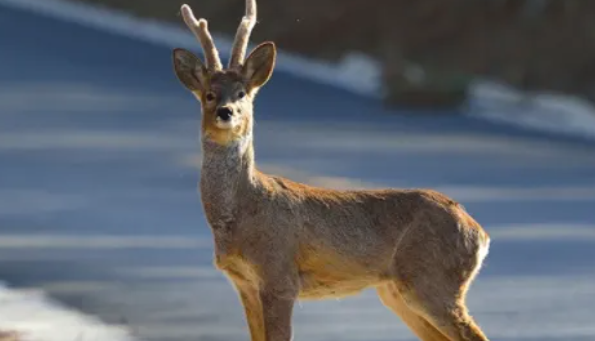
x: 224, y: 113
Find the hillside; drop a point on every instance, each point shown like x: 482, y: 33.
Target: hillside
x: 537, y: 45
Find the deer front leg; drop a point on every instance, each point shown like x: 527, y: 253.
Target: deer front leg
x: 268, y: 305
x: 250, y: 297
x: 277, y: 312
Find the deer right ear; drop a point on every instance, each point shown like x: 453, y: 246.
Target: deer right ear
x: 190, y: 70
x: 259, y: 65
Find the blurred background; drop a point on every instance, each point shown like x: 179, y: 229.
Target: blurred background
x: 102, y: 231
x: 531, y: 44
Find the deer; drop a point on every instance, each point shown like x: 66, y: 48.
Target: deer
x: 279, y: 242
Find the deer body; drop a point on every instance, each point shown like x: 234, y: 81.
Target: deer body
x: 279, y: 241
x: 337, y: 242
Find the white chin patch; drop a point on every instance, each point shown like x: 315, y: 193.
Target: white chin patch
x: 224, y: 124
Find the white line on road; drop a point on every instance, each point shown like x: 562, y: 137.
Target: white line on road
x: 65, y: 242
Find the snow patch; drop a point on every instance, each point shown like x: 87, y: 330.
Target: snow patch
x: 548, y: 112
x: 35, y: 317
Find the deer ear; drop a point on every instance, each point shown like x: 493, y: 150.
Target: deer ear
x: 259, y: 65
x: 190, y: 70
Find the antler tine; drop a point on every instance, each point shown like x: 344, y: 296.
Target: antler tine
x: 201, y: 31
x: 238, y: 51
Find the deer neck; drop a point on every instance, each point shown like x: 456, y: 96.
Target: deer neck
x: 226, y: 172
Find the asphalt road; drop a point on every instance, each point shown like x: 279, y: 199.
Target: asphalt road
x: 99, y: 207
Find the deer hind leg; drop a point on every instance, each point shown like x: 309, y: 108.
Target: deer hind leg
x: 393, y: 300
x: 448, y: 316
x: 436, y: 290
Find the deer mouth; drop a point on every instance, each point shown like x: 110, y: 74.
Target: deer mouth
x: 225, y: 124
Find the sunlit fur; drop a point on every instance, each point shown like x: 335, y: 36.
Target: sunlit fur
x: 200, y: 29
x: 279, y: 241
x: 238, y: 51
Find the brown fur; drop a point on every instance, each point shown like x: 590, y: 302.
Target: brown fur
x: 279, y: 241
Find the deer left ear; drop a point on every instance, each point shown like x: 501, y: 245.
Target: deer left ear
x: 190, y: 70
x: 259, y: 65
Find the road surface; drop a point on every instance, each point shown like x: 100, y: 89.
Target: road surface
x: 99, y: 163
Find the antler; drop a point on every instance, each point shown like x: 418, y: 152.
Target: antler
x: 238, y: 51
x: 201, y: 31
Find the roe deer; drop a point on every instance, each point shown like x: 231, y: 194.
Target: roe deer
x: 279, y: 241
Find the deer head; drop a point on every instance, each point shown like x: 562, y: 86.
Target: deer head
x: 226, y: 94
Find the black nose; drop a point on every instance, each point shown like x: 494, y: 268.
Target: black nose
x: 224, y: 113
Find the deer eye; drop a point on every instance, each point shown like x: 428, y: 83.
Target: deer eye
x: 241, y: 94
x: 210, y: 97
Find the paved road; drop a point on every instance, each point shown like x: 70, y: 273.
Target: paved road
x: 98, y: 200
